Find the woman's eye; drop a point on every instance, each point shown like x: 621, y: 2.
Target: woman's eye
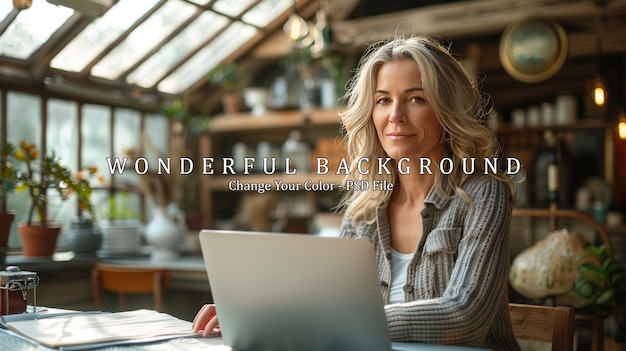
x: 416, y: 99
x: 382, y: 100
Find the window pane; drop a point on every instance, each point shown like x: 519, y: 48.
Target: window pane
x: 32, y: 28
x: 170, y: 54
x: 23, y: 122
x: 127, y: 135
x: 24, y: 118
x: 143, y: 39
x: 157, y: 130
x: 260, y: 14
x: 96, y: 132
x: 207, y: 58
x: 157, y: 134
x: 100, y: 33
x: 62, y: 139
x: 232, y: 8
x: 62, y: 131
x: 200, y: 2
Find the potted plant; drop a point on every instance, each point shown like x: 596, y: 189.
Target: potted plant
x: 599, y: 279
x: 83, y: 236
x: 226, y: 77
x: 46, y: 173
x: 8, y: 179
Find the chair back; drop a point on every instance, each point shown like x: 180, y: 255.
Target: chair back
x: 544, y: 323
x: 126, y: 280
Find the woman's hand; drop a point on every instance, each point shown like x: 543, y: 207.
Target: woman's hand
x: 206, y: 321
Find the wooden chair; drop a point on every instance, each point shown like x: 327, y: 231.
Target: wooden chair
x: 125, y: 280
x: 544, y: 323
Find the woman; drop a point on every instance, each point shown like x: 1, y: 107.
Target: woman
x: 441, y: 240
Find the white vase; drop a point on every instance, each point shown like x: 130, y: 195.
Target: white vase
x: 163, y: 234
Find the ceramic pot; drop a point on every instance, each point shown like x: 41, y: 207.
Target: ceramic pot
x: 164, y: 234
x: 39, y: 240
x: 84, y: 237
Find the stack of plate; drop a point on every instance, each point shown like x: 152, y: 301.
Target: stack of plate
x: 120, y: 237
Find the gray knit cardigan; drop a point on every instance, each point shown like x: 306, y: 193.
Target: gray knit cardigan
x: 456, y: 289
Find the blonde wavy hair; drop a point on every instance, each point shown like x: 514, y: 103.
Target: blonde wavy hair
x: 457, y: 102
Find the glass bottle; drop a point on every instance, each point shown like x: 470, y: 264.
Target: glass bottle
x: 552, y: 180
x: 298, y: 152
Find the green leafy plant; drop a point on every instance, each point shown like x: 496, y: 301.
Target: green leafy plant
x: 117, y: 208
x: 45, y: 172
x: 178, y: 111
x: 599, y: 281
x: 8, y: 175
x: 225, y: 76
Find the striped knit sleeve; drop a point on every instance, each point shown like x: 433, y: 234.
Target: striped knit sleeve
x: 465, y: 312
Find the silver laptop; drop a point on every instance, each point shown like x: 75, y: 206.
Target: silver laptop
x: 295, y: 292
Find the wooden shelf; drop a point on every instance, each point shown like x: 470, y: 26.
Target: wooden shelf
x: 282, y: 119
x: 580, y: 124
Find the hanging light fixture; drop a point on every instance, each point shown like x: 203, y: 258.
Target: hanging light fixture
x: 323, y: 36
x: 296, y: 28
x: 598, y: 91
x: 319, y: 37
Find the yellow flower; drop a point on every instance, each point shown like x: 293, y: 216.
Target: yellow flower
x: 19, y: 154
x: 27, y: 151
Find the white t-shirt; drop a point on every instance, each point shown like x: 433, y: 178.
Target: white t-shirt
x: 399, y: 266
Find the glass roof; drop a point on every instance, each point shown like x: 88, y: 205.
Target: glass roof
x: 165, y: 46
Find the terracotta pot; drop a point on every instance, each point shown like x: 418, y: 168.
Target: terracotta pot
x: 231, y: 102
x: 39, y: 240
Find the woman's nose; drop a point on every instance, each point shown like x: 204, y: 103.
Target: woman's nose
x: 397, y: 113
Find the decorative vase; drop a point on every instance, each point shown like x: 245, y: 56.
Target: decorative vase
x: 39, y: 240
x: 84, y: 237
x: 164, y: 234
x: 6, y: 220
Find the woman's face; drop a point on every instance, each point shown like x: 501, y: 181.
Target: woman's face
x: 405, y: 121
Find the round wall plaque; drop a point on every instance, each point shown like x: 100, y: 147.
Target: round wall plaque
x: 533, y: 50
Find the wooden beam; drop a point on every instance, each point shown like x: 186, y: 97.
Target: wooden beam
x: 466, y: 19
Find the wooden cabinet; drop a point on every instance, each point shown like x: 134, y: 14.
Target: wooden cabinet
x: 320, y: 129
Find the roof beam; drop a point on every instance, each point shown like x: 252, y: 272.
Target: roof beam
x: 465, y: 19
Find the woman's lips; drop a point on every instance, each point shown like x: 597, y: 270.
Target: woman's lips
x: 399, y: 136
